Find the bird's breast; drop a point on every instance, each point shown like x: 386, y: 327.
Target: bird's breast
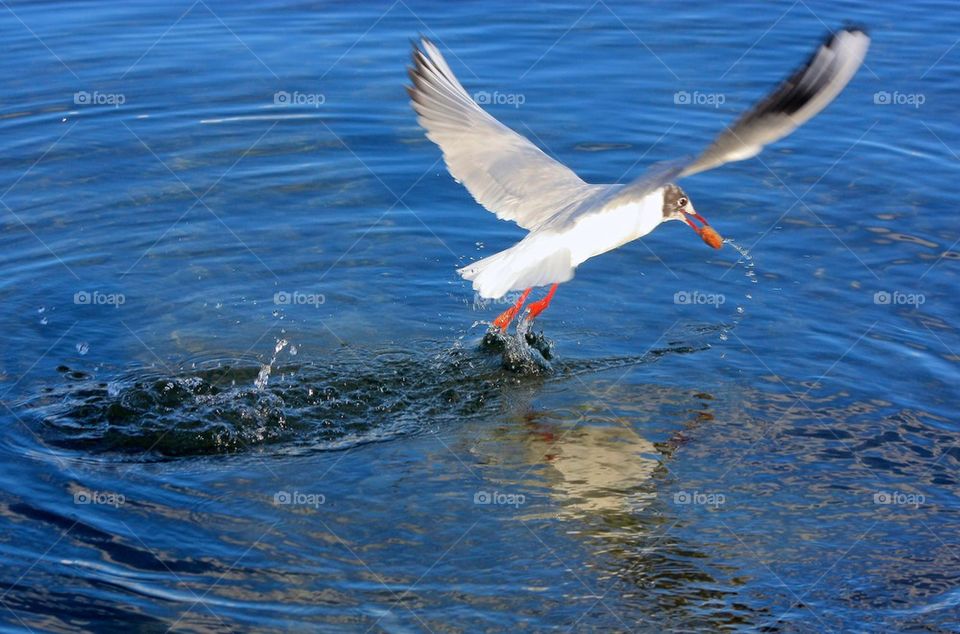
x: 601, y: 232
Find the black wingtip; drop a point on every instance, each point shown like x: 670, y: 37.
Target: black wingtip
x: 856, y: 28
x: 849, y: 29
x: 417, y: 54
x: 418, y: 47
x: 416, y: 44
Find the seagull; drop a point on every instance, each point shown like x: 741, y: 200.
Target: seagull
x: 569, y: 220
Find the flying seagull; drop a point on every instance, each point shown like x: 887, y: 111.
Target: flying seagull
x: 570, y: 221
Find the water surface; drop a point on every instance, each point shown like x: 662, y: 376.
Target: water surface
x: 243, y: 389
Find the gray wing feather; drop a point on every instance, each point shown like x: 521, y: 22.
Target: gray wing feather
x: 501, y: 169
x: 794, y: 102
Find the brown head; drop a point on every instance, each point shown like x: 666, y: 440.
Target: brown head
x: 677, y: 206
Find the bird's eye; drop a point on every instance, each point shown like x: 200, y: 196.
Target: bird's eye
x: 682, y: 202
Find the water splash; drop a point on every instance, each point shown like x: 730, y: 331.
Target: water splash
x: 228, y: 406
x: 261, y: 381
x: 746, y: 258
x: 750, y: 273
x: 524, y: 352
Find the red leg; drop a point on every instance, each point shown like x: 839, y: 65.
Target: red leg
x: 507, y: 316
x: 538, y: 307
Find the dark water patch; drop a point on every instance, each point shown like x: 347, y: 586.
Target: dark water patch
x: 112, y: 548
x: 43, y: 609
x: 358, y: 397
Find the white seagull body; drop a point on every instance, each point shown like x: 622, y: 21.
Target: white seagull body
x: 570, y: 221
x: 552, y: 256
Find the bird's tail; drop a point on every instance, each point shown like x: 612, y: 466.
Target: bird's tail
x: 534, y: 261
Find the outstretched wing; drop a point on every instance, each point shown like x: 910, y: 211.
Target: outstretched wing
x: 795, y: 101
x: 501, y: 169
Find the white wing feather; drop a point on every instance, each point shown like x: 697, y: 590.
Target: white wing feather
x: 501, y: 169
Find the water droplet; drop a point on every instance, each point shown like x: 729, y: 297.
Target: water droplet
x: 262, y: 377
x: 294, y: 350
x: 83, y: 347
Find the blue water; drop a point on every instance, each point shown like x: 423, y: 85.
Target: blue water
x: 243, y: 389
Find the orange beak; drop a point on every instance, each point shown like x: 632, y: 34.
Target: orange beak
x: 707, y: 233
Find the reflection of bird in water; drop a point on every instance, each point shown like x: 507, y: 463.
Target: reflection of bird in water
x: 600, y: 464
x: 607, y: 481
x: 597, y: 467
x: 601, y: 469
